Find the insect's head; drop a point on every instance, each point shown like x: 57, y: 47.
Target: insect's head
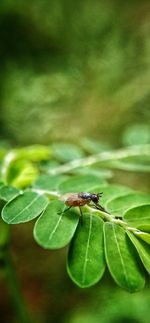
x: 95, y: 197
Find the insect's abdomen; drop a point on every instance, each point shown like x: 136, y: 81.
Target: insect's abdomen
x: 75, y: 202
x: 73, y: 199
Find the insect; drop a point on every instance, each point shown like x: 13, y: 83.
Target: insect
x: 81, y: 199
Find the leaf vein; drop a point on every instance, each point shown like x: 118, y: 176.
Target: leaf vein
x: 55, y: 228
x: 87, y: 250
x: 26, y: 208
x: 121, y: 258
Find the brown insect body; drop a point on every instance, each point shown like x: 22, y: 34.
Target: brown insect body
x: 80, y: 199
x: 76, y: 200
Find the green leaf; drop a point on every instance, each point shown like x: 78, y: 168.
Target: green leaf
x: 86, y: 262
x: 81, y: 183
x: 24, y: 207
x: 93, y: 146
x: 33, y: 153
x: 48, y: 182
x: 139, y: 216
x: 121, y: 204
x: 136, y: 134
x: 138, y: 164
x: 122, y: 259
x: 95, y: 171
x: 66, y: 152
x: 112, y: 191
x: 21, y: 173
x: 8, y: 193
x: 143, y: 250
x: 1, y: 184
x: 143, y: 227
x: 143, y: 235
x: 55, y: 229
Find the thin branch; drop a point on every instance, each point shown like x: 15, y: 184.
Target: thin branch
x: 102, y: 157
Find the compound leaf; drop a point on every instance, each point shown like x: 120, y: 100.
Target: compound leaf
x: 86, y: 263
x: 122, y: 258
x: 24, y: 207
x: 54, y: 229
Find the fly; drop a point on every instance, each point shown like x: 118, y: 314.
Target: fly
x: 81, y: 199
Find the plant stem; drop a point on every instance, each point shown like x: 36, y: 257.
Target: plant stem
x: 102, y: 157
x: 20, y: 310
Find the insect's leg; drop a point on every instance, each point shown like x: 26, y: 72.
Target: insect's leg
x: 67, y: 209
x: 81, y: 214
x: 99, y: 207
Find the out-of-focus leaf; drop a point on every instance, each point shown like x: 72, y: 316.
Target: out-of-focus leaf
x: 48, y: 166
x: 93, y: 171
x: 48, y: 182
x: 7, y: 193
x: 2, y: 152
x: 143, y: 250
x: 24, y: 207
x: 86, y: 262
x: 1, y: 184
x: 93, y: 146
x: 138, y: 164
x: 55, y: 229
x: 139, y: 216
x: 22, y: 173
x: 143, y: 235
x: 136, y: 134
x: 122, y: 258
x: 66, y: 152
x: 33, y: 153
x: 121, y: 204
x: 81, y: 183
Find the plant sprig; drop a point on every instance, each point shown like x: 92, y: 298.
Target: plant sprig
x: 32, y: 187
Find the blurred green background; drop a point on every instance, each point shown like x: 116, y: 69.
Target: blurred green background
x: 72, y: 70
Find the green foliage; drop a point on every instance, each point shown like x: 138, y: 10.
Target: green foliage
x: 54, y: 229
x: 8, y: 192
x: 80, y: 51
x: 117, y: 236
x: 79, y: 183
x: 138, y: 216
x: 121, y: 258
x: 143, y: 250
x: 66, y: 152
x: 137, y: 134
x: 24, y: 207
x: 121, y: 204
x: 88, y: 246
